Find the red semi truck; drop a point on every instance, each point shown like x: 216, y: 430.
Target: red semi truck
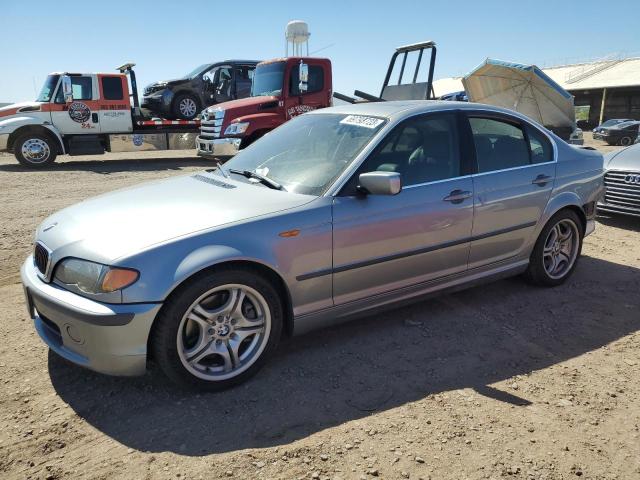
x: 282, y: 89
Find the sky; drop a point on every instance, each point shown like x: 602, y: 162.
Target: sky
x: 167, y: 39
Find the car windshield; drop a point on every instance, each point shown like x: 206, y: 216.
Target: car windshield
x: 197, y: 71
x: 48, y: 88
x: 306, y: 154
x: 625, y: 124
x: 268, y: 79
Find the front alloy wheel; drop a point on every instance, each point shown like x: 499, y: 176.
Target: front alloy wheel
x: 218, y: 328
x: 224, y: 332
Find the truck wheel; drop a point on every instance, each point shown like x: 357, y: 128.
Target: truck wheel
x: 35, y: 150
x: 218, y: 329
x: 625, y: 141
x: 185, y: 107
x: 556, y: 251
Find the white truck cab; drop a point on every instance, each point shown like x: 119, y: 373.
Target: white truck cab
x: 79, y: 114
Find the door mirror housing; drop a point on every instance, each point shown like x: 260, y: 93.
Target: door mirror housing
x: 67, y: 89
x: 380, y: 183
x: 303, y: 75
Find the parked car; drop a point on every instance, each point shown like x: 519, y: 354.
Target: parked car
x: 624, y: 134
x: 338, y: 211
x: 206, y: 85
x: 622, y: 182
x: 460, y: 96
x: 606, y: 124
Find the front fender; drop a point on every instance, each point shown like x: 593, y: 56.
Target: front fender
x: 13, y: 125
x: 160, y: 280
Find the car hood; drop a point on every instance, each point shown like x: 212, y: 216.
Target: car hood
x: 168, y: 83
x: 245, y: 106
x: 627, y: 159
x: 127, y: 221
x: 14, y: 108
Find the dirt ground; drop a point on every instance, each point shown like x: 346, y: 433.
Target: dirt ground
x: 502, y: 380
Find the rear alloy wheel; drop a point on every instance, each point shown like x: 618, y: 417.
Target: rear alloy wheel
x: 625, y: 141
x: 185, y: 107
x: 557, y: 250
x: 34, y: 150
x: 219, y: 331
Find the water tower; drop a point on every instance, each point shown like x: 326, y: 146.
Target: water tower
x: 296, y: 34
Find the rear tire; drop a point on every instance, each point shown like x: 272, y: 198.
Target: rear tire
x: 218, y: 329
x: 185, y: 107
x: 557, y: 250
x: 35, y: 150
x: 625, y: 141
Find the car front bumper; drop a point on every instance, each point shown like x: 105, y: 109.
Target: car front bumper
x: 223, y: 147
x: 107, y: 338
x: 598, y: 136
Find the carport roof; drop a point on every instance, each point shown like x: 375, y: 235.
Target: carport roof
x: 582, y: 76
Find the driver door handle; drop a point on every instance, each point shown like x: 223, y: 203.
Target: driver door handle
x: 457, y: 196
x: 541, y: 180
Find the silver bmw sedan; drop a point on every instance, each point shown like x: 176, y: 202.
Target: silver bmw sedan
x: 335, y: 213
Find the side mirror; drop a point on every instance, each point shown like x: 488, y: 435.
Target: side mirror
x: 67, y: 90
x: 380, y: 183
x: 303, y: 74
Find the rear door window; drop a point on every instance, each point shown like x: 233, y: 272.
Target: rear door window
x: 540, y: 146
x: 112, y: 88
x: 499, y: 144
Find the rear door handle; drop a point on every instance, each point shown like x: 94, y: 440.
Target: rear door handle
x: 457, y: 196
x: 541, y: 180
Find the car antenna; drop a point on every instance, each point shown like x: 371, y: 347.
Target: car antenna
x: 222, y: 170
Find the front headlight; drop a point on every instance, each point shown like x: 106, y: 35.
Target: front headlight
x: 91, y: 277
x: 237, y: 128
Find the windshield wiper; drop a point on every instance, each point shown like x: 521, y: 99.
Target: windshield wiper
x: 261, y: 178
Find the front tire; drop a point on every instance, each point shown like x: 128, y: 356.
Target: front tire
x: 35, y: 150
x: 185, y: 107
x: 218, y: 329
x: 557, y: 250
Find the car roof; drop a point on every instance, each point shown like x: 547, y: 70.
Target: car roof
x: 401, y: 108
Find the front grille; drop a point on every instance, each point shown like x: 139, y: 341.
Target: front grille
x: 41, y: 258
x: 622, y: 189
x: 211, y: 124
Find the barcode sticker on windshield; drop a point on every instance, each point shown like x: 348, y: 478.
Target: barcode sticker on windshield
x: 362, y: 121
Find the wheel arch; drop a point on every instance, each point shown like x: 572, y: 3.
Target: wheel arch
x: 566, y: 201
x: 37, y: 129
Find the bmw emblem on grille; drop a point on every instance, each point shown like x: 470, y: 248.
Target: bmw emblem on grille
x: 632, y: 179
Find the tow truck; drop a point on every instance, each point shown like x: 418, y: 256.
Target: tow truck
x: 282, y: 88
x: 286, y: 87
x: 87, y: 114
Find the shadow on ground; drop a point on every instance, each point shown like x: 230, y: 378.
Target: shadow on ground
x: 470, y: 339
x: 625, y: 222
x: 116, y: 166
